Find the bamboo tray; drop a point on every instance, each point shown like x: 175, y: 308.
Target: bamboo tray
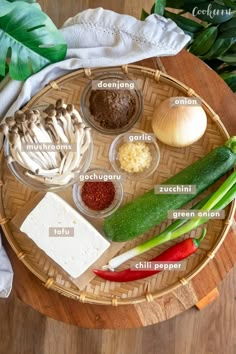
x: 156, y: 86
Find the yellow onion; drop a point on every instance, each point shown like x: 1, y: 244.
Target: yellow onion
x: 179, y: 125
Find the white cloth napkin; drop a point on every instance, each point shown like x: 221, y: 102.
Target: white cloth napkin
x: 95, y: 38
x: 6, y: 273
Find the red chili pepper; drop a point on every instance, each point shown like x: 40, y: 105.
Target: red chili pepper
x: 175, y: 253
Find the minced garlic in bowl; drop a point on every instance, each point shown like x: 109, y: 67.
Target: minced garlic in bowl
x: 134, y: 157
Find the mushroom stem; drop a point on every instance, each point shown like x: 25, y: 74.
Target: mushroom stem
x: 53, y: 180
x: 48, y: 157
x: 37, y: 178
x: 41, y: 135
x: 60, y: 180
x: 70, y: 129
x: 79, y: 133
x: 47, y: 173
x: 35, y: 155
x: 63, y: 121
x: 62, y: 164
x: 87, y: 140
x: 16, y: 145
x: 74, y: 113
x: 57, y: 127
x: 52, y: 132
x: 68, y: 161
x: 16, y: 157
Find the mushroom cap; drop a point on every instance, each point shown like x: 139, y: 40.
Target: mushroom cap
x: 52, y: 113
x: 59, y: 114
x: 64, y: 111
x: 10, y: 121
x: 49, y: 108
x: 12, y: 137
x: 20, y: 118
x: 30, y: 116
x: 36, y: 112
x: 4, y: 128
x: 59, y: 103
x: 18, y: 113
x: 70, y: 107
x: 15, y: 129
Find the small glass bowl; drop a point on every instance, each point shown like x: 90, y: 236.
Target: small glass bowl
x: 19, y: 172
x: 124, y: 138
x: 94, y: 213
x: 89, y: 118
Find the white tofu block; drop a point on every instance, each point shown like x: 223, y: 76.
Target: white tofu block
x: 73, y: 253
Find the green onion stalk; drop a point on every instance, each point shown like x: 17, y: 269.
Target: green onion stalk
x: 223, y: 196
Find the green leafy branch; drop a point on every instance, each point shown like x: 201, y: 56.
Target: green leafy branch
x: 213, y: 33
x: 29, y: 39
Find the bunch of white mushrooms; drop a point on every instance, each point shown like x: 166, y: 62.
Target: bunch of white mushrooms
x: 57, y: 124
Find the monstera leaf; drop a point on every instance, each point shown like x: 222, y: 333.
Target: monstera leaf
x: 29, y: 40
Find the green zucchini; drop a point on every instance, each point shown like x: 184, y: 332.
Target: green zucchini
x: 150, y: 209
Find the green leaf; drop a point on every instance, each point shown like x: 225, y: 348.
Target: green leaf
x: 230, y: 3
x: 231, y: 33
x: 230, y: 79
x: 230, y: 68
x: 225, y: 68
x: 228, y: 58
x: 220, y: 2
x: 212, y: 12
x: 195, y: 2
x: 215, y: 64
x: 5, y: 7
x: 228, y: 25
x: 159, y: 7
x: 35, y: 4
x: 192, y: 35
x: 220, y: 46
x: 233, y: 48
x: 204, y: 41
x: 144, y: 15
x: 29, y: 40
x: 175, y: 4
x: 185, y: 23
x: 189, y: 5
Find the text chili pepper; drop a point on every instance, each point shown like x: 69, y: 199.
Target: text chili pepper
x: 175, y: 253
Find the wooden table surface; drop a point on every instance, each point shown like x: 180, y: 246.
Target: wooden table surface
x: 193, y: 72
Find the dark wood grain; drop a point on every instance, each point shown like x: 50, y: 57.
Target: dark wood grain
x: 212, y: 331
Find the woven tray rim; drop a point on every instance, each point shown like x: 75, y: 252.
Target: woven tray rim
x: 81, y: 296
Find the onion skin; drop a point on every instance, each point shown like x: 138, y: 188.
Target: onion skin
x: 178, y: 126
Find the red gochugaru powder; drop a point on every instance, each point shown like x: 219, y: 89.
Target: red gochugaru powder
x: 98, y: 195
